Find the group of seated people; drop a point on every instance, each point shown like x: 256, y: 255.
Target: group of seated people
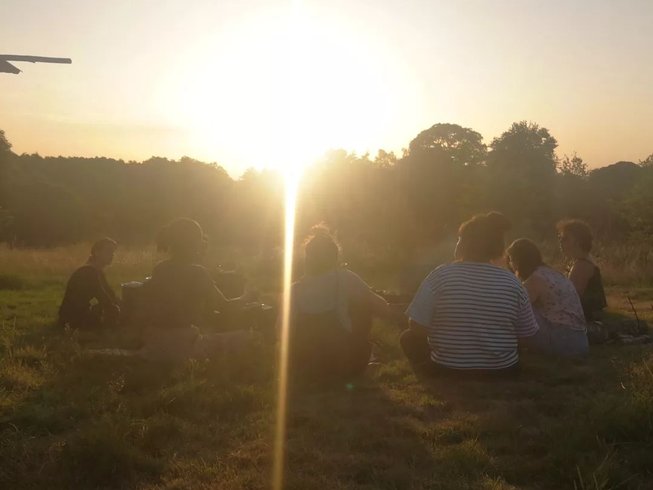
x: 469, y: 317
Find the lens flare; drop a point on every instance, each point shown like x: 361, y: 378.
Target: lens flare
x: 293, y: 135
x: 292, y: 182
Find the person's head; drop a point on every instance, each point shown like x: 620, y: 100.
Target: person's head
x: 321, y: 251
x: 524, y: 257
x: 575, y: 238
x: 102, y: 252
x: 183, y: 239
x: 481, y: 239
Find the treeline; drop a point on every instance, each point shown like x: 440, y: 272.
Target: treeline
x: 445, y: 175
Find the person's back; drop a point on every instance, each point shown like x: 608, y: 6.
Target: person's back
x: 339, y: 291
x: 558, y: 302
x: 177, y: 294
x: 331, y: 315
x: 555, y: 303
x: 474, y: 313
x: 467, y: 316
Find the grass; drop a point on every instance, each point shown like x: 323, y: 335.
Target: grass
x: 71, y: 420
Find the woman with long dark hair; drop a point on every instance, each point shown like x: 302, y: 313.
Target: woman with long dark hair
x: 555, y: 302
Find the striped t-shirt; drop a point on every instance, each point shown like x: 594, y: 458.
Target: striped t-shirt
x: 473, y: 312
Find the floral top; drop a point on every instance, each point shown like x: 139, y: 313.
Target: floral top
x: 558, y: 303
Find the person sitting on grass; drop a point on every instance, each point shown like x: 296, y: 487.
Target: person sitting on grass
x: 179, y: 295
x: 89, y: 301
x: 576, y: 243
x: 555, y: 302
x: 467, y: 316
x: 331, y: 314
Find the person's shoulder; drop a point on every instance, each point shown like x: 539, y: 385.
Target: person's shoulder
x: 541, y: 273
x: 584, y: 265
x: 201, y: 272
x: 349, y: 274
x: 501, y: 274
x: 444, y: 269
x: 85, y: 270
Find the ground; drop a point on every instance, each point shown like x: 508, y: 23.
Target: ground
x: 69, y: 419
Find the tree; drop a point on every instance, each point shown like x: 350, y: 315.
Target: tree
x: 463, y: 145
x: 574, y: 166
x: 647, y: 162
x: 524, y: 148
x: 521, y: 173
x: 5, y: 146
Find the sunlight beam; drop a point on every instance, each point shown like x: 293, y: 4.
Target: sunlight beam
x: 290, y: 134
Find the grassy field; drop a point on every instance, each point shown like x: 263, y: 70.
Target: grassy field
x: 72, y: 420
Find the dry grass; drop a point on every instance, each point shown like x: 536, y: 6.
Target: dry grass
x: 68, y: 420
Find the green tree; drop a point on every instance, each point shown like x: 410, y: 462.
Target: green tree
x: 521, y: 170
x: 574, y: 166
x: 647, y: 162
x: 463, y: 145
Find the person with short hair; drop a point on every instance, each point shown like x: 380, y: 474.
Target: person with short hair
x: 331, y: 313
x: 575, y: 238
x: 555, y: 302
x: 89, y: 301
x: 179, y: 295
x: 468, y: 316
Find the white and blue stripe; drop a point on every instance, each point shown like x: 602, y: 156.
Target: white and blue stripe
x: 474, y: 313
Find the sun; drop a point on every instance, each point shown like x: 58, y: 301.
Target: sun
x: 281, y: 88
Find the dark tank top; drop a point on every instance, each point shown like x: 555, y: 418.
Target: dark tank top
x: 593, y: 299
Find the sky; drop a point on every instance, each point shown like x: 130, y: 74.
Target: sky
x: 254, y: 83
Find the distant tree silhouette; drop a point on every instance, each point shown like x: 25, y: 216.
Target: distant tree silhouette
x: 521, y: 174
x: 647, y: 162
x: 463, y: 145
x: 574, y: 166
x: 385, y: 203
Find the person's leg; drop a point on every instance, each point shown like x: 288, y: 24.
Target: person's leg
x: 557, y: 340
x: 416, y: 347
x: 566, y: 342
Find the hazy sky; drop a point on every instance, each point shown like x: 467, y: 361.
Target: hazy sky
x: 217, y: 80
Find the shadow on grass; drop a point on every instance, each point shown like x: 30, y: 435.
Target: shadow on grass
x: 561, y: 423
x: 72, y: 421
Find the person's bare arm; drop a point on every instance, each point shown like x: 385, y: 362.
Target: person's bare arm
x: 580, y: 274
x: 223, y: 304
x: 378, y: 304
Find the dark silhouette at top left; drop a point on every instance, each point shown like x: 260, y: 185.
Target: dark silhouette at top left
x: 6, y: 67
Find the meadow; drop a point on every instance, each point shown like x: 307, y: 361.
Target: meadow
x: 69, y: 419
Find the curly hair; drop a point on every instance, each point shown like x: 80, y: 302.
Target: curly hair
x: 481, y: 238
x: 321, y: 250
x: 578, y: 229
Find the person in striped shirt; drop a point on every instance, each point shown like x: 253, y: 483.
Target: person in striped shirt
x: 468, y: 316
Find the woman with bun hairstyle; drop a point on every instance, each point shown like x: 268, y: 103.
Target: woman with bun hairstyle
x: 467, y: 316
x: 556, y: 305
x: 331, y: 313
x: 179, y: 294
